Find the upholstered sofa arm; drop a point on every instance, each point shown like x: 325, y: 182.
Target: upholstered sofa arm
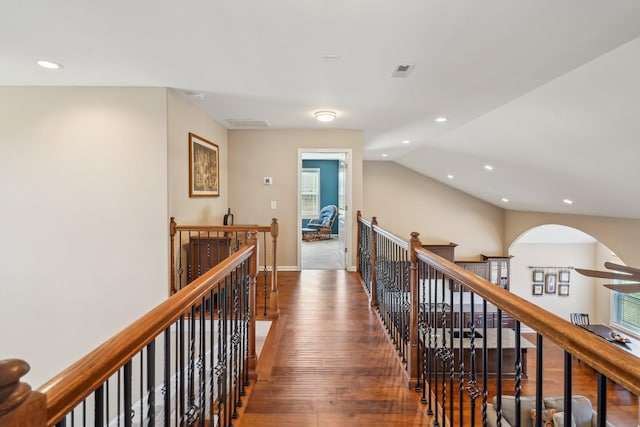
x: 492, y: 417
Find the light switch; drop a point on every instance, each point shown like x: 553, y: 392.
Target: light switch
x: 267, y: 180
x: 274, y: 205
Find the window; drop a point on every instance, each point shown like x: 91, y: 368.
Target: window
x: 626, y: 311
x: 310, y: 193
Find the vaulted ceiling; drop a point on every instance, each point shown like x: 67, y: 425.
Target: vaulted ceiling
x: 546, y: 92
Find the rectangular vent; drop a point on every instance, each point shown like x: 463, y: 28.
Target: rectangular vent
x: 402, y: 70
x: 248, y: 123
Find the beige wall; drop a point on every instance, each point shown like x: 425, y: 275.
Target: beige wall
x: 83, y: 178
x: 404, y: 201
x: 254, y: 155
x: 619, y: 235
x: 183, y: 117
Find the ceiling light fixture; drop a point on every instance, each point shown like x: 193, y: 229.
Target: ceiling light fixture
x: 450, y: 176
x: 385, y: 155
x: 488, y: 167
x: 441, y: 119
x: 325, y: 116
x: 567, y: 201
x: 504, y: 199
x: 49, y: 65
x: 406, y: 141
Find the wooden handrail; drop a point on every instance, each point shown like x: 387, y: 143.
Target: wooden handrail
x: 616, y: 364
x: 75, y: 383
x: 390, y: 236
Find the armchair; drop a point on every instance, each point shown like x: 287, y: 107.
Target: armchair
x: 320, y: 227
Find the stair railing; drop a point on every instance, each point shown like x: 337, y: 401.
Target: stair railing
x: 186, y: 362
x: 197, y: 248
x: 439, y: 316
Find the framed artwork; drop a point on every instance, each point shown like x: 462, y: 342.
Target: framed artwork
x: 537, y: 289
x: 204, y: 167
x: 550, y: 283
x: 563, y: 290
x: 563, y: 276
x: 538, y: 276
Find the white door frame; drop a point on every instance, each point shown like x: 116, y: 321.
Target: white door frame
x: 348, y: 156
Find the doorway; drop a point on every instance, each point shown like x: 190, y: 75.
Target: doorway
x: 334, y: 188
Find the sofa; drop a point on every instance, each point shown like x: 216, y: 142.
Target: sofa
x: 582, y: 412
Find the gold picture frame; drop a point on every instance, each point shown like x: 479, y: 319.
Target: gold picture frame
x: 204, y: 167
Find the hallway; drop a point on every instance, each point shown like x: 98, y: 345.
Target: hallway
x: 328, y: 362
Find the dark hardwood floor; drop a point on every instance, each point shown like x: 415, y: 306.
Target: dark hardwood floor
x: 328, y: 362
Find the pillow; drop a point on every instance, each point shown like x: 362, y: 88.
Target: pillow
x: 547, y: 417
x: 509, y: 408
x: 325, y: 223
x: 558, y: 420
x: 581, y: 409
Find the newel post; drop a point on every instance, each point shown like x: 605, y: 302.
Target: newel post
x: 274, y: 309
x: 252, y: 309
x: 19, y: 406
x: 373, y: 299
x: 412, y: 362
x: 172, y: 261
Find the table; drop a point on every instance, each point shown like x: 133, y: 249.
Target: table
x: 604, y: 332
x: 508, y: 350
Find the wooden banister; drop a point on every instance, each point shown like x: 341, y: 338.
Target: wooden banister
x: 75, y: 383
x: 19, y: 405
x: 616, y: 364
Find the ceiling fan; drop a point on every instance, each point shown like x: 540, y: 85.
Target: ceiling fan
x: 622, y: 272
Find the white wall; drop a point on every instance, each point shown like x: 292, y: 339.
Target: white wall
x: 404, y: 201
x: 184, y: 117
x: 582, y: 291
x: 83, y: 181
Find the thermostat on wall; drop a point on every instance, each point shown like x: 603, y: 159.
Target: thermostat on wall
x: 267, y: 180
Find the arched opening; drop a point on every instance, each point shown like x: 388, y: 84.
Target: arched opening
x: 553, y: 251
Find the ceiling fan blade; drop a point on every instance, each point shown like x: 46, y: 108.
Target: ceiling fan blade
x: 607, y: 274
x: 626, y: 269
x: 627, y: 288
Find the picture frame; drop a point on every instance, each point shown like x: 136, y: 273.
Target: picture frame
x: 563, y: 290
x: 564, y: 276
x: 550, y: 283
x: 538, y: 276
x: 204, y: 167
x: 537, y: 289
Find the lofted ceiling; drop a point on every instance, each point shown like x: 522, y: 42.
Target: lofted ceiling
x: 547, y: 92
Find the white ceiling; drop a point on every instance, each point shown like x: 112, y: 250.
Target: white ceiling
x: 546, y: 91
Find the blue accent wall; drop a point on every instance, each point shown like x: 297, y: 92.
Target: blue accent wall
x: 328, y: 185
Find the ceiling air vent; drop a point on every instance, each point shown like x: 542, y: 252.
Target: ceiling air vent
x: 248, y: 123
x: 402, y: 70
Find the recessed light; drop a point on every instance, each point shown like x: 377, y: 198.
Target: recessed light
x: 385, y: 155
x: 568, y: 201
x: 450, y: 176
x: 488, y: 167
x: 49, y: 65
x: 504, y: 199
x: 441, y: 119
x: 325, y: 116
x: 406, y: 141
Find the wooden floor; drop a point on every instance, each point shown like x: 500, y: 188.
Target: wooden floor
x: 328, y: 362
x: 331, y: 363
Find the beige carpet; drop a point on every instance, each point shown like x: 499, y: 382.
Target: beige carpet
x: 321, y: 255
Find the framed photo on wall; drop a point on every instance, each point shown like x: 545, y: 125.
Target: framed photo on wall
x: 538, y: 276
x: 563, y: 276
x: 563, y: 290
x: 550, y: 283
x: 537, y: 289
x: 204, y: 167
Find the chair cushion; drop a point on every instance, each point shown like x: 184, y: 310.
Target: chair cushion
x: 558, y: 419
x: 581, y: 409
x: 547, y: 417
x: 509, y: 409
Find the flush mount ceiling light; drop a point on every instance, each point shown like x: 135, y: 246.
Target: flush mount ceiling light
x: 504, y: 199
x: 49, y: 65
x: 406, y: 141
x: 325, y: 116
x: 488, y: 167
x: 441, y: 119
x: 450, y: 176
x: 568, y: 201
